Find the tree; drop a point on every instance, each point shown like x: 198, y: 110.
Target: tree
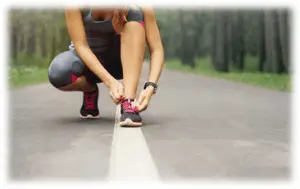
x: 36, y: 36
x: 239, y: 41
x: 278, y: 66
x: 261, y: 40
x: 283, y: 17
x: 273, y: 46
x: 221, y: 49
x: 187, y: 41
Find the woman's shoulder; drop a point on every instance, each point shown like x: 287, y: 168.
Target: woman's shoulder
x: 134, y: 8
x: 134, y: 13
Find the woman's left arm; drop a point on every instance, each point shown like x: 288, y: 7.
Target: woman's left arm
x: 156, y: 56
x: 155, y: 45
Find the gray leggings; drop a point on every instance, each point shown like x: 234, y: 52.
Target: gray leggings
x: 66, y: 67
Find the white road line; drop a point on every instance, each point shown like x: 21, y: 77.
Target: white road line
x: 130, y: 157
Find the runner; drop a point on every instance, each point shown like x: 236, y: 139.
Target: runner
x: 108, y: 44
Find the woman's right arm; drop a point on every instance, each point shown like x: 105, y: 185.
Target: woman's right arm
x: 78, y: 37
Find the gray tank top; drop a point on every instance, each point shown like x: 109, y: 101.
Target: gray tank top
x: 100, y: 34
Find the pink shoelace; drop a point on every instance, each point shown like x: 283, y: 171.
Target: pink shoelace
x: 127, y: 106
x: 89, y: 101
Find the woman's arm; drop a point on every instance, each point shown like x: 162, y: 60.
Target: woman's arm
x: 78, y: 37
x: 155, y: 45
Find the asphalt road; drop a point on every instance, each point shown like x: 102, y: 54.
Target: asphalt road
x: 195, y: 128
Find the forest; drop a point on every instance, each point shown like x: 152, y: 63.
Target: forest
x: 237, y: 40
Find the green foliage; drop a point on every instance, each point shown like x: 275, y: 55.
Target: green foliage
x: 204, y: 67
x: 25, y: 75
x: 235, y: 41
x: 228, y: 36
x: 32, y: 33
x: 24, y: 59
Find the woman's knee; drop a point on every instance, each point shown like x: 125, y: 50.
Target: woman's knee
x: 136, y: 26
x: 134, y: 32
x: 64, y: 69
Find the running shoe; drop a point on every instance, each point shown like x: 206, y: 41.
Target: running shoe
x: 130, y: 116
x: 89, y: 108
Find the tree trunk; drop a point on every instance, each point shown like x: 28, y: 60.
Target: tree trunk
x: 43, y: 41
x: 13, y: 42
x: 53, y: 48
x: 214, y: 40
x: 182, y: 37
x: 278, y: 59
x: 283, y: 17
x: 199, y: 34
x: 261, y: 44
x: 22, y: 42
x: 240, y: 46
x: 233, y: 39
x: 221, y: 51
x: 268, y: 41
x: 229, y: 38
x: 225, y: 64
x: 31, y: 43
x: 187, y: 42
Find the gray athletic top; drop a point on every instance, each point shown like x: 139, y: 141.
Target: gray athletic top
x: 101, y: 33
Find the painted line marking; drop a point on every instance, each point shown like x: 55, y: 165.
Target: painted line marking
x: 130, y: 157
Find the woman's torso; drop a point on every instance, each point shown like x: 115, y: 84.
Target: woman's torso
x: 100, y: 34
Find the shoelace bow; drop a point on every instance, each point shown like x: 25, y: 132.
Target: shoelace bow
x: 127, y: 106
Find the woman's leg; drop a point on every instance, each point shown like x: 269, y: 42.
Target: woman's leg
x: 66, y: 74
x: 81, y: 84
x: 132, y: 56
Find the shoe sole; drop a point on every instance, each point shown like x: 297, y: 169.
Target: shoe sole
x: 130, y: 123
x: 90, y: 117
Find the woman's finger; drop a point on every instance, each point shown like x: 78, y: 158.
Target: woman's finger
x: 113, y: 97
x: 120, y: 90
x: 144, y: 105
x: 113, y: 100
x: 141, y: 97
x: 117, y: 96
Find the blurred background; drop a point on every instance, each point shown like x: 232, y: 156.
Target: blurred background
x: 249, y: 46
x: 199, y: 126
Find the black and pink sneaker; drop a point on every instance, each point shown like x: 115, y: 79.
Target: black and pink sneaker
x: 89, y: 108
x: 130, y: 116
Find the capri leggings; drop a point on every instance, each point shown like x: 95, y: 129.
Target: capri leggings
x: 66, y: 67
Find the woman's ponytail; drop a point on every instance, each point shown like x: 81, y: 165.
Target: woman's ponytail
x: 119, y: 19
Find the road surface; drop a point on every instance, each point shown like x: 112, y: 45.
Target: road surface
x: 195, y: 128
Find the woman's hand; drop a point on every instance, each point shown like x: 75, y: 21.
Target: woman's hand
x: 144, y: 98
x: 116, y: 90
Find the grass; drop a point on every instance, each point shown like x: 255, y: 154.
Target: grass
x: 22, y: 76
x: 251, y: 76
x: 28, y: 75
x: 28, y: 69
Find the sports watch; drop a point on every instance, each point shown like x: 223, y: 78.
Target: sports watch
x: 154, y: 85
